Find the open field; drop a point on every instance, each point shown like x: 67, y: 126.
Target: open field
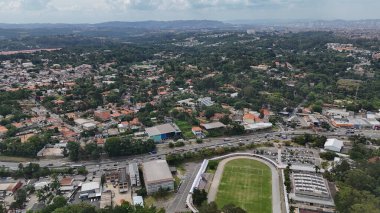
x: 185, y: 128
x: 246, y: 183
x: 15, y: 159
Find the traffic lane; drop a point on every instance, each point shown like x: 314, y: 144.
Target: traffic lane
x: 212, y: 142
x: 179, y: 202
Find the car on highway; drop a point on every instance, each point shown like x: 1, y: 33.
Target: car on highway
x: 153, y: 152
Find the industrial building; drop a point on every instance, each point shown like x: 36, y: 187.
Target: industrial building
x: 162, y: 132
x: 310, y: 189
x: 90, y: 190
x: 157, y: 175
x: 138, y: 200
x: 134, y: 174
x: 333, y: 144
x: 85, y: 124
x: 6, y: 188
x: 213, y: 125
x: 206, y: 101
x: 123, y: 181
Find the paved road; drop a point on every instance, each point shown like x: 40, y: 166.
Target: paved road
x: 213, y: 142
x: 276, y: 200
x: 179, y: 202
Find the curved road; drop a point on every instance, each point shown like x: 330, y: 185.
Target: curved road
x: 276, y: 200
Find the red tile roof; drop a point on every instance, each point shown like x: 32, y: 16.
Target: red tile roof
x: 67, y: 181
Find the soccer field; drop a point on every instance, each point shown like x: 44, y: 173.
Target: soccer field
x: 247, y: 183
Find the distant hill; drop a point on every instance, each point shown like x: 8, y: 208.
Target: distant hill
x: 313, y: 24
x: 180, y: 24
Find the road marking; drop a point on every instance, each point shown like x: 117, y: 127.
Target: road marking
x: 195, y: 171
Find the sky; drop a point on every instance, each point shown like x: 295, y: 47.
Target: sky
x: 96, y: 11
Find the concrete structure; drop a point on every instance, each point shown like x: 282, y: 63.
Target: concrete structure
x: 81, y: 121
x: 41, y: 184
x: 314, y: 120
x: 197, y: 131
x: 138, y: 200
x: 214, y: 125
x: 112, y: 175
x: 375, y: 124
x: 102, y: 115
x: 90, y: 190
x: 206, y: 101
x: 333, y: 144
x: 123, y: 181
x: 251, y: 118
x: 257, y: 126
x: 134, y: 174
x: 186, y: 102
x: 341, y: 122
x: 89, y: 126
x: 310, y: 189
x: 337, y: 112
x: 9, y: 188
x: 106, y: 200
x: 163, y: 132
x: 85, y: 124
x: 157, y: 175
x: 67, y: 181
x: 51, y: 151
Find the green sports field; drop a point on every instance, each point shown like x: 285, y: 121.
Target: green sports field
x: 248, y: 184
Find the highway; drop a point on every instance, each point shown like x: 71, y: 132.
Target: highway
x: 96, y: 167
x: 163, y: 149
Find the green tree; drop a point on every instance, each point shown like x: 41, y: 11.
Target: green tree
x: 199, y: 196
x: 231, y: 208
x: 209, y: 208
x: 20, y: 198
x: 74, y: 149
x: 366, y: 182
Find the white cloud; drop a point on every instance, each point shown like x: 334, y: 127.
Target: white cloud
x: 123, y: 10
x: 9, y: 5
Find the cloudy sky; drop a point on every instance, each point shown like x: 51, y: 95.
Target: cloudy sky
x: 94, y: 11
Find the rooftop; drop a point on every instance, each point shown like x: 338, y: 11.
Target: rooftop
x: 90, y: 186
x: 138, y: 200
x: 67, y: 181
x: 156, y: 171
x: 162, y: 129
x: 214, y: 125
x: 334, y: 142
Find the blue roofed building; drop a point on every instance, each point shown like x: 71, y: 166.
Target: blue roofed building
x: 162, y: 132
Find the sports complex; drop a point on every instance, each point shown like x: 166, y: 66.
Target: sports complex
x: 249, y: 181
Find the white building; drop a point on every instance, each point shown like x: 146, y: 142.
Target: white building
x: 134, y: 174
x: 206, y: 101
x: 334, y: 145
x: 157, y: 175
x: 90, y: 190
x: 138, y: 200
x: 89, y: 126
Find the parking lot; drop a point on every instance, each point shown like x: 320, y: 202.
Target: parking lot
x: 294, y: 156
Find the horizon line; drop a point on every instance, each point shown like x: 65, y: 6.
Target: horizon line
x: 171, y: 20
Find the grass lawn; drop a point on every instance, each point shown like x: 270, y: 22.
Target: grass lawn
x: 185, y: 128
x: 15, y: 159
x: 248, y: 184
